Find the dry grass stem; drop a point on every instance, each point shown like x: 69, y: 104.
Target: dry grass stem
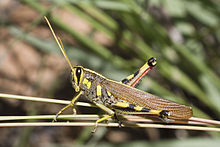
x: 89, y: 124
x: 126, y: 119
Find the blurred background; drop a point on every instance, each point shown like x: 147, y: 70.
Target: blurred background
x: 114, y: 38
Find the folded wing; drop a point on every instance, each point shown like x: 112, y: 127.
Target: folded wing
x: 147, y: 100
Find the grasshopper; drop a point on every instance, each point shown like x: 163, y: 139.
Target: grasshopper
x: 121, y: 97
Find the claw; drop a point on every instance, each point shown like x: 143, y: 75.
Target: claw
x: 95, y: 128
x: 74, y: 110
x: 119, y: 122
x: 55, y: 118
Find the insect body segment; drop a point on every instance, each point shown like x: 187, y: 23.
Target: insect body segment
x: 99, y: 90
x: 133, y: 79
x: 121, y: 97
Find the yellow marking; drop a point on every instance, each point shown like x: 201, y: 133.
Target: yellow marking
x: 130, y: 77
x: 154, y: 63
x: 136, y: 112
x: 122, y: 104
x: 138, y: 108
x: 109, y: 93
x: 99, y: 90
x: 145, y: 66
x: 87, y: 83
x: 156, y: 112
x: 74, y: 76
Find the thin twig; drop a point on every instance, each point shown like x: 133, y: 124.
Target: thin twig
x: 125, y: 118
x: 91, y: 117
x: 50, y: 117
x: 43, y: 99
x: 206, y: 121
x: 89, y: 124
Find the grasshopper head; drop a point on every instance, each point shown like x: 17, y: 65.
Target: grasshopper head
x: 77, y: 76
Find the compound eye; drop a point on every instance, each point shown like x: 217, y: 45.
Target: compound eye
x: 78, y: 73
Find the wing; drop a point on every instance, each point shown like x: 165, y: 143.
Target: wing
x: 144, y: 99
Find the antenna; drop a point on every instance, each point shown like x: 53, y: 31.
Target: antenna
x: 59, y: 42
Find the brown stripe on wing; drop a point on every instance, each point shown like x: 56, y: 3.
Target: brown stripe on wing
x: 144, y: 99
